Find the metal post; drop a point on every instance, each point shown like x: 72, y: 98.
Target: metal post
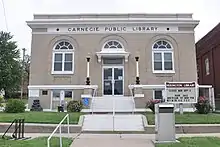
x: 48, y: 143
x: 213, y: 99
x: 22, y: 128
x: 113, y: 115
x: 22, y: 73
x: 68, y: 125
x: 60, y: 138
x: 181, y: 108
x: 19, y: 128
x: 16, y: 125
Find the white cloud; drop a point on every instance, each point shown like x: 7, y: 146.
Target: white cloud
x: 17, y: 12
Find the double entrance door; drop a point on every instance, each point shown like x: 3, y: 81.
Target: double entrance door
x: 113, y: 80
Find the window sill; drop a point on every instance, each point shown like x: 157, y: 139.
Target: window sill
x: 164, y: 72
x: 62, y: 72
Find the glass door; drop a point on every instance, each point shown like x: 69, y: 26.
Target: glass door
x: 118, y: 81
x: 113, y: 81
x: 107, y: 81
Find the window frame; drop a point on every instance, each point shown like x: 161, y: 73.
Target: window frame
x: 162, y: 52
x: 63, y: 52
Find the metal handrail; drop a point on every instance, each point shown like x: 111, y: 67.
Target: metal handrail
x: 132, y: 97
x: 92, y: 102
x: 113, y: 114
x: 59, y: 126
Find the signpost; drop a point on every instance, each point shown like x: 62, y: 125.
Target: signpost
x: 181, y: 93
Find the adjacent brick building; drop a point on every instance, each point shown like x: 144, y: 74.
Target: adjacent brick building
x: 208, y: 60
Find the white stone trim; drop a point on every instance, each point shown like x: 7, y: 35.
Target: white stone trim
x: 162, y: 32
x: 161, y: 87
x: 74, y: 87
x: 112, y: 53
x: 46, y: 23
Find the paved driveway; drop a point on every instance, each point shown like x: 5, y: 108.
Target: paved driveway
x: 111, y: 140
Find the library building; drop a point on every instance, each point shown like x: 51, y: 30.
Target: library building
x: 108, y: 56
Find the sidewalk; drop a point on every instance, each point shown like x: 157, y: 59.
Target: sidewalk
x: 114, y: 140
x: 127, y: 140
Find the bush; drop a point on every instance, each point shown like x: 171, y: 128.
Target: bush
x: 74, y: 106
x: 151, y: 104
x: 15, y: 106
x: 1, y: 101
x: 203, y: 106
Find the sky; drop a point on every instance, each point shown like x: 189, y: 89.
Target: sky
x: 20, y: 11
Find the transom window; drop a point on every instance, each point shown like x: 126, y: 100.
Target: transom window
x: 113, y: 45
x: 162, y: 57
x: 63, y: 57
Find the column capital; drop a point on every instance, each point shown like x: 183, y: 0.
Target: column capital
x: 88, y: 58
x: 136, y: 58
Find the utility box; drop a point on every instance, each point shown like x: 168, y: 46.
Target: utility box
x: 165, y: 123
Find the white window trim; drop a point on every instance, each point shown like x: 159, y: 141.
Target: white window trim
x: 162, y: 52
x: 63, y: 58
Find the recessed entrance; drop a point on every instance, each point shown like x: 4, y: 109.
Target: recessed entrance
x: 113, y: 80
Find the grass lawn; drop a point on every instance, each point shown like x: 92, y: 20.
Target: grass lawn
x: 194, y: 142
x: 36, y: 142
x: 39, y: 117
x: 190, y: 118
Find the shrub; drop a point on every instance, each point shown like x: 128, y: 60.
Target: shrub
x: 1, y: 101
x: 15, y: 106
x: 203, y: 106
x: 151, y: 104
x: 74, y: 106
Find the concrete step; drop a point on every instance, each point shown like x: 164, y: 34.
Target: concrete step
x: 108, y: 122
x: 110, y: 103
x: 136, y: 110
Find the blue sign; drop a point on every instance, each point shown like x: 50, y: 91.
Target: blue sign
x: 86, y: 101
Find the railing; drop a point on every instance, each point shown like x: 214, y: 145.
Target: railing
x: 60, y: 131
x: 113, y: 114
x: 132, y: 97
x: 92, y: 101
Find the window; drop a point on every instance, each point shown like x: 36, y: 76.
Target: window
x: 63, y: 57
x: 158, y: 94
x: 44, y: 92
x: 162, y: 57
x: 207, y: 66
x: 113, y: 45
x: 68, y: 95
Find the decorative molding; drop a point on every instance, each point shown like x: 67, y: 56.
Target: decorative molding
x: 112, y: 53
x: 162, y: 32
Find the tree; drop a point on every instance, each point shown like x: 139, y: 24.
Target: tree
x: 10, y: 67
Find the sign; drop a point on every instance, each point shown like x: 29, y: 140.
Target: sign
x: 34, y: 93
x: 112, y: 29
x: 181, y: 92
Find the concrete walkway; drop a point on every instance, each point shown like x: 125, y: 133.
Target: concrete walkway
x: 123, y: 140
x: 114, y: 140
x: 111, y: 140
